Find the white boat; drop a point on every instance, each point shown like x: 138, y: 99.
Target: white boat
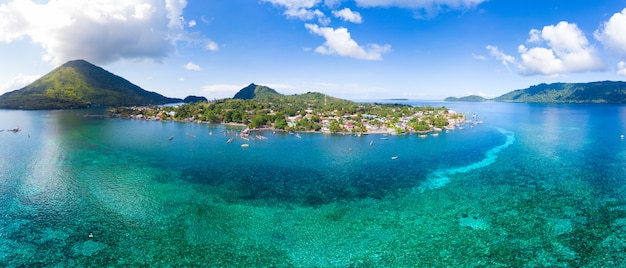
x: 245, y: 145
x: 394, y: 157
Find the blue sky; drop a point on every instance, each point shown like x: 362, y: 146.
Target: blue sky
x: 353, y: 49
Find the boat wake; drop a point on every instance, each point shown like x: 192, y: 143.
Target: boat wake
x: 441, y: 177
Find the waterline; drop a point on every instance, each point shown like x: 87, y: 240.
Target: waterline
x: 441, y: 177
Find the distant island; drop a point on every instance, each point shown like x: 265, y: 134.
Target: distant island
x: 592, y: 92
x: 262, y: 108
x: 470, y: 98
x: 80, y: 84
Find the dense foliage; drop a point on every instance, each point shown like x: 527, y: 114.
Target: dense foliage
x: 593, y: 92
x: 78, y: 84
x: 309, y: 112
x: 305, y: 112
x: 253, y: 91
x: 470, y: 98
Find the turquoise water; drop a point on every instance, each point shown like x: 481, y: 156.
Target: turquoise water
x: 534, y: 186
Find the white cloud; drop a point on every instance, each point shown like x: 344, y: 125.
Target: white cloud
x: 174, y: 10
x: 191, y: 23
x: 100, y: 31
x: 565, y: 50
x: 191, y: 66
x: 301, y: 9
x: 613, y: 33
x: 621, y: 68
x: 501, y: 56
x: 339, y: 42
x: 348, y: 15
x: 18, y: 82
x: 479, y: 57
x: 212, y: 46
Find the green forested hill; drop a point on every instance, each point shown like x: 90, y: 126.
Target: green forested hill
x: 312, y: 99
x: 78, y: 84
x: 470, y: 98
x: 592, y: 92
x: 253, y: 91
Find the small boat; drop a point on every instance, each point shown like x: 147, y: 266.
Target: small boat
x: 298, y: 136
x: 245, y: 145
x: 191, y: 135
x: 15, y: 130
x: 435, y: 134
x: 170, y: 138
x: 394, y: 157
x: 371, y: 143
x: 229, y: 140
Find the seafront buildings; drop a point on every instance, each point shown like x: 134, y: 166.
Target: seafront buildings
x: 392, y: 120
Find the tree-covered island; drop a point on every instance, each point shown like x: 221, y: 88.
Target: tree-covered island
x: 313, y: 112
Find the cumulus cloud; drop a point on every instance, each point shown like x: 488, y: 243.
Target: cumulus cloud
x: 339, y: 42
x: 191, y: 23
x: 567, y: 50
x: 559, y: 49
x: 100, y: 31
x: 612, y: 33
x: 191, y: 66
x: 18, y: 82
x: 348, y: 15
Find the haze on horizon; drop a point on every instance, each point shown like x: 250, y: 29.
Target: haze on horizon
x: 353, y: 49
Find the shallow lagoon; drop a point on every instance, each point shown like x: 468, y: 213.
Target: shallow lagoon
x: 535, y: 185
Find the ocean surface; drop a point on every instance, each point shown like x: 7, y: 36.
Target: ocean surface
x: 534, y: 186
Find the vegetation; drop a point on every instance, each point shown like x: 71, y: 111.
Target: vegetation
x: 593, y: 92
x: 189, y: 99
x: 311, y: 111
x: 470, y: 98
x: 78, y: 84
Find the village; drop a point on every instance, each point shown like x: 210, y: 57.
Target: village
x: 368, y: 118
